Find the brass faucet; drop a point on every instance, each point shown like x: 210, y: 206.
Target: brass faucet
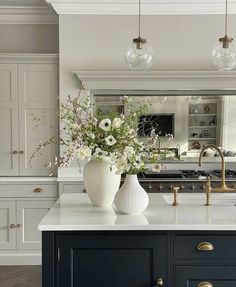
x: 223, y: 187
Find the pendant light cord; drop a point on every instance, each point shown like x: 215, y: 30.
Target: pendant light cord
x: 139, y: 18
x: 226, y: 17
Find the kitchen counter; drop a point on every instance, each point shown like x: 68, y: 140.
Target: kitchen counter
x: 74, y: 212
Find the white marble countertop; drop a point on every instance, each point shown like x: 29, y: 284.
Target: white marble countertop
x: 27, y: 179
x: 75, y: 212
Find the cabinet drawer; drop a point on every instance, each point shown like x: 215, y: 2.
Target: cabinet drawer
x: 28, y: 190
x: 199, y: 247
x: 215, y: 276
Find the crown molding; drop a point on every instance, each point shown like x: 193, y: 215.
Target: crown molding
x: 27, y: 15
x: 149, y: 7
x: 158, y: 80
x: 24, y: 58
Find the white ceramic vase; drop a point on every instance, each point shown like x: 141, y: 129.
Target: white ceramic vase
x: 131, y: 197
x: 101, y: 182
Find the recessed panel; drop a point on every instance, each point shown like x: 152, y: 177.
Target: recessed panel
x: 5, y: 85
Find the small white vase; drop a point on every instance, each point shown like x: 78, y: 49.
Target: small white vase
x: 131, y: 197
x: 101, y: 182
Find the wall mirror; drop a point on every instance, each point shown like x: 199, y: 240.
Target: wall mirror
x: 194, y: 118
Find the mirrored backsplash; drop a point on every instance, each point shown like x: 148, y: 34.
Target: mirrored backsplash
x: 192, y: 120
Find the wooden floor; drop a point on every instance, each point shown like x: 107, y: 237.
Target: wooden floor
x: 20, y: 276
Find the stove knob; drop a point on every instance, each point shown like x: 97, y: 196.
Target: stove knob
x: 192, y: 187
x: 171, y: 187
x: 160, y: 187
x: 182, y: 187
x: 203, y: 187
x: 149, y: 187
x: 233, y: 186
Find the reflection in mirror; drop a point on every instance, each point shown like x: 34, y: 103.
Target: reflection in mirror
x: 185, y: 123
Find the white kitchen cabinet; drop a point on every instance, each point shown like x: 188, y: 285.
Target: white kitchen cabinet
x: 71, y: 187
x: 29, y: 214
x: 7, y: 225
x: 9, y: 162
x: 22, y: 207
x: 27, y: 92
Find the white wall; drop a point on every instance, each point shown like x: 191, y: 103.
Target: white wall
x: 29, y: 38
x: 98, y: 42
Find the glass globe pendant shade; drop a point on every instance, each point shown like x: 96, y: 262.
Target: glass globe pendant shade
x: 224, y: 54
x: 139, y: 55
x: 193, y: 100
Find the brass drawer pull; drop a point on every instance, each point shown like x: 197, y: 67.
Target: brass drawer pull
x: 205, y: 246
x: 205, y: 284
x: 12, y: 226
x: 38, y: 190
x: 159, y: 282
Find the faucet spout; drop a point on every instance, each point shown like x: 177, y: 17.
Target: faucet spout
x: 212, y: 146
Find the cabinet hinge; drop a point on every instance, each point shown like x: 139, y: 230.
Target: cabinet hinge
x: 58, y: 254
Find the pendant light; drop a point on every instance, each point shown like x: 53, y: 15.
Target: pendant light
x: 139, y: 55
x: 193, y: 100
x: 224, y: 51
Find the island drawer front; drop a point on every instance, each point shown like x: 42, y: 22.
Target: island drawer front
x: 205, y: 247
x: 212, y: 276
x: 28, y: 190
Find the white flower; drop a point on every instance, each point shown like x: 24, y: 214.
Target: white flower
x: 129, y: 151
x: 84, y: 152
x: 105, y: 124
x: 169, y: 137
x: 85, y: 103
x: 110, y: 140
x: 157, y: 167
x: 117, y: 122
x: 122, y: 165
x: 91, y: 135
x: 100, y: 153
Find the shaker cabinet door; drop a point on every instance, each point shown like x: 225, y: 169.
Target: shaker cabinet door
x: 7, y: 225
x: 8, y: 120
x: 37, y: 100
x: 29, y: 214
x: 213, y: 276
x: 105, y: 260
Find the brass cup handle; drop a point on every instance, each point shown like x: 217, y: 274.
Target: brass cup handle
x: 160, y: 282
x: 205, y: 246
x: 38, y: 190
x: 205, y: 284
x: 12, y: 226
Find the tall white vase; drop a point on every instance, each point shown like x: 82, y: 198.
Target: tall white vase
x: 131, y: 197
x: 101, y: 182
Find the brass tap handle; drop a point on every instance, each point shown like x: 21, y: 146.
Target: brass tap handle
x: 175, y: 190
x: 38, y: 190
x: 12, y: 225
x: 205, y: 246
x: 160, y: 282
x: 208, y: 191
x: 205, y: 284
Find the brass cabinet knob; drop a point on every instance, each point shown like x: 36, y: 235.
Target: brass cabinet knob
x: 205, y: 284
x: 15, y: 152
x: 205, y: 246
x: 21, y: 152
x: 18, y: 225
x: 159, y: 282
x: 38, y: 190
x: 12, y: 225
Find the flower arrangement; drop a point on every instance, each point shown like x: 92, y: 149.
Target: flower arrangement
x: 87, y: 133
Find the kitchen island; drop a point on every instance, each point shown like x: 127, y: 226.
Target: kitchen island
x: 189, y: 245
